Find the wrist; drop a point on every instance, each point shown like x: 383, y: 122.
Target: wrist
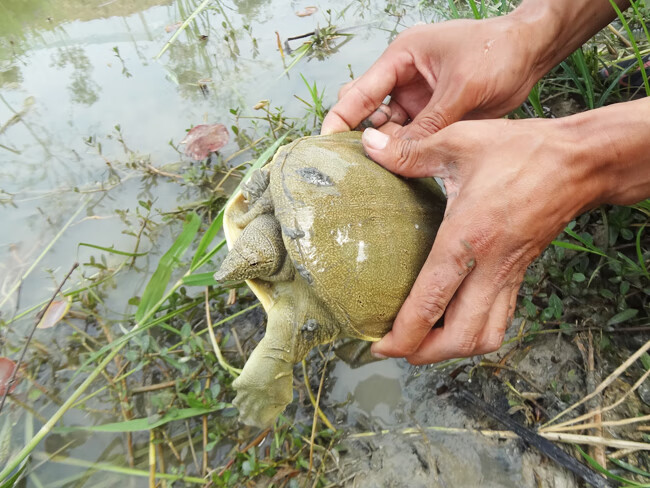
x: 609, y: 153
x: 553, y: 29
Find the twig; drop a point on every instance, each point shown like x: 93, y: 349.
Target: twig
x: 315, y: 420
x: 588, y: 415
x: 607, y: 423
x: 620, y: 36
x: 191, y: 443
x: 608, y: 381
x: 597, y: 452
x: 238, y: 343
x: 152, y: 461
x: 317, y: 408
x: 588, y: 440
x: 159, y: 172
x: 235, y: 372
x: 157, y: 386
x: 29, y: 338
x: 204, y: 464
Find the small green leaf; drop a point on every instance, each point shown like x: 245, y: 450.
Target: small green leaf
x: 160, y: 278
x: 623, y: 316
x: 578, y: 277
x: 555, y: 304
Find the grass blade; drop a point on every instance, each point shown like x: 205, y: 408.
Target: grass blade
x: 160, y: 278
x: 200, y: 279
x: 635, y: 47
x: 639, y: 251
x: 112, y: 250
x: 182, y: 27
x: 575, y: 247
x: 594, y: 464
x: 137, y: 425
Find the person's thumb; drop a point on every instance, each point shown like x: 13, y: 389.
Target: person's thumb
x: 407, y: 157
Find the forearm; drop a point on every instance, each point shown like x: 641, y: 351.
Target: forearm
x: 555, y: 28
x: 611, y: 152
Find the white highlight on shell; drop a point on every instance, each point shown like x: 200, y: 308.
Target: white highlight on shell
x: 417, y: 226
x: 342, y: 236
x: 361, y: 255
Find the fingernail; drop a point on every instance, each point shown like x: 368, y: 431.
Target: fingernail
x: 375, y: 139
x: 377, y: 355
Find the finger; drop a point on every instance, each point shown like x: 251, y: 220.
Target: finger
x: 445, y: 107
x: 446, y: 267
x: 499, y: 319
x: 345, y: 88
x: 465, y: 318
x: 398, y: 114
x: 408, y: 157
x: 365, y: 94
x: 378, y: 118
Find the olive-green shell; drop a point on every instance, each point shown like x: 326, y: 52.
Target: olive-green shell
x: 356, y: 233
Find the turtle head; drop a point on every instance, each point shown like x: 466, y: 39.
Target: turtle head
x: 258, y: 253
x: 265, y: 386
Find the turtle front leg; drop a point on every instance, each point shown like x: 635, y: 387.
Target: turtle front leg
x: 265, y: 386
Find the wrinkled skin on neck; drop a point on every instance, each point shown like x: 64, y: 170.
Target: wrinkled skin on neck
x: 296, y: 324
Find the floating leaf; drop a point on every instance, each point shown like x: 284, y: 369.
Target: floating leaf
x: 204, y: 139
x: 307, y: 11
x: 7, y: 367
x: 54, y: 313
x: 172, y: 27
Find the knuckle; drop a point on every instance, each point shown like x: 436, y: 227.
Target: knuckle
x: 406, y: 155
x: 492, y: 342
x: 431, y: 304
x: 345, y: 88
x: 465, y: 345
x: 430, y: 123
x: 366, y: 102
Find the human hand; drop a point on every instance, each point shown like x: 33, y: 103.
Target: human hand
x: 438, y: 74
x: 512, y: 186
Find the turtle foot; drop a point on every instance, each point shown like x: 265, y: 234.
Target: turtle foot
x: 260, y: 406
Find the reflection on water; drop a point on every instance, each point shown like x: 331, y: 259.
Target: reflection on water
x: 374, y: 388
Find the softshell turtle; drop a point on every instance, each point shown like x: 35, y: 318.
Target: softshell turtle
x: 330, y: 243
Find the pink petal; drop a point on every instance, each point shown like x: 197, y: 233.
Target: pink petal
x: 204, y: 139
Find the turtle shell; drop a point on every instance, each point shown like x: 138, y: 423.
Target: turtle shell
x: 356, y: 233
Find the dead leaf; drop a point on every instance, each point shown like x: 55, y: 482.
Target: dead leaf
x: 307, y: 11
x: 284, y: 472
x: 173, y: 27
x: 205, y: 139
x: 7, y: 367
x: 54, y: 313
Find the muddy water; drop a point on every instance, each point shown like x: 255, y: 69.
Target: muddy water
x: 85, y: 106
